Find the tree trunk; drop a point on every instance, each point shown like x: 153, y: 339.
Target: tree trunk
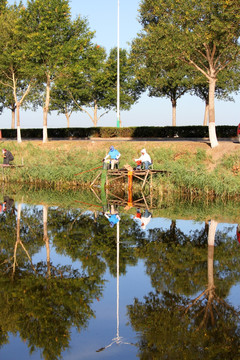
x: 95, y: 119
x: 212, y: 126
x: 211, y: 240
x: 212, y: 232
x: 46, y: 239
x: 46, y: 108
x: 13, y: 119
x: 68, y: 119
x: 174, y: 106
x: 19, y: 139
x: 206, y: 113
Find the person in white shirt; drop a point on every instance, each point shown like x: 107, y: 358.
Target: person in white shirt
x: 144, y: 159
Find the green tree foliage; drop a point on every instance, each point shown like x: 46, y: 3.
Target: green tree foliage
x: 93, y: 85
x: 56, y: 43
x: 202, y: 34
x: 16, y: 72
x: 165, y: 332
x: 161, y: 77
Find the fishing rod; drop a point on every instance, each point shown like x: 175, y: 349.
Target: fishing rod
x: 82, y: 172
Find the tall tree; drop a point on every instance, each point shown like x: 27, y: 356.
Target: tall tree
x: 16, y: 73
x: 56, y: 42
x: 203, y: 34
x: 92, y: 86
x: 161, y: 77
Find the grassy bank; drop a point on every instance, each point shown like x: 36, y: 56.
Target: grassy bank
x: 194, y: 168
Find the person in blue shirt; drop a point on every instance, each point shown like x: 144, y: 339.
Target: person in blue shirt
x: 114, y: 156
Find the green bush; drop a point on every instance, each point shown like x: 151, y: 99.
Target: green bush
x: 132, y: 132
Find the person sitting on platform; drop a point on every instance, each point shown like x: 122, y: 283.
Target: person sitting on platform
x: 7, y: 156
x: 114, y: 156
x: 144, y: 159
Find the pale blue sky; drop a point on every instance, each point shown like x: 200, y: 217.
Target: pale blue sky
x: 102, y: 17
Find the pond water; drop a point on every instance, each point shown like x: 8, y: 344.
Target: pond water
x: 116, y: 283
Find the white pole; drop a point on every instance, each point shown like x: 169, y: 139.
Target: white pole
x: 118, y: 250
x: 118, y: 72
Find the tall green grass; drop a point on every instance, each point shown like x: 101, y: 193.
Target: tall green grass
x: 76, y: 165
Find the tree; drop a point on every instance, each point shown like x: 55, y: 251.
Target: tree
x: 202, y: 34
x: 162, y: 78
x: 228, y: 82
x: 16, y: 72
x: 93, y: 84
x: 56, y: 43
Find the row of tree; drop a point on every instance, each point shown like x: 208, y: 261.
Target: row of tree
x: 191, y: 46
x: 49, y: 60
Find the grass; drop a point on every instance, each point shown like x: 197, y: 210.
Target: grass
x: 68, y: 164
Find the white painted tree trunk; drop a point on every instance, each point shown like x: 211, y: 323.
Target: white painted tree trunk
x: 19, y: 139
x: 45, y: 135
x: 212, y: 232
x: 212, y: 125
x: 212, y: 134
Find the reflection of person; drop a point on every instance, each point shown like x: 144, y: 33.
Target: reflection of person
x: 2, y: 207
x: 7, y: 156
x: 238, y: 233
x: 7, y: 204
x: 144, y: 218
x: 138, y: 214
x: 144, y: 159
x: 112, y: 216
x: 114, y: 156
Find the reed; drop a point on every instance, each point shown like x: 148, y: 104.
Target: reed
x: 69, y: 164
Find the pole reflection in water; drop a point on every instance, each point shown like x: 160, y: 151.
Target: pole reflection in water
x: 118, y: 339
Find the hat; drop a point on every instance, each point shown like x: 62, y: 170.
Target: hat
x: 143, y: 151
x: 111, y: 148
x: 3, y: 150
x: 111, y: 224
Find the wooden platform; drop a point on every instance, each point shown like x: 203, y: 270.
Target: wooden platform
x: 129, y: 173
x: 143, y: 175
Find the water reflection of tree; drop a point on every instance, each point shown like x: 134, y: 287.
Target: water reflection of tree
x: 21, y: 237
x: 43, y: 310
x: 81, y: 237
x: 205, y: 325
x: 41, y: 302
x: 164, y: 333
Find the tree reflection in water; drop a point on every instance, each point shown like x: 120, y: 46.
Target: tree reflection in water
x: 42, y: 301
x: 170, y: 323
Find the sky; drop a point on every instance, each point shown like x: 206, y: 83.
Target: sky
x: 102, y: 18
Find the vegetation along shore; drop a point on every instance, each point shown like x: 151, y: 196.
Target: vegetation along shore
x: 194, y: 169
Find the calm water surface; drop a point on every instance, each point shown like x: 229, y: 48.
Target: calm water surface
x: 108, y: 284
